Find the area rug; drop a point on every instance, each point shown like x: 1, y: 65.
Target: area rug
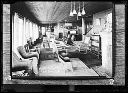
x: 53, y: 68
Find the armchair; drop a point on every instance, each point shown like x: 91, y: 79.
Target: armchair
x: 21, y: 64
x: 83, y: 46
x: 27, y: 55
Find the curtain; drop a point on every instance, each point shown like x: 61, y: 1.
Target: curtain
x: 22, y: 29
x: 12, y: 32
x: 15, y: 31
x: 20, y: 32
x: 27, y: 30
x: 16, y: 34
x: 35, y: 32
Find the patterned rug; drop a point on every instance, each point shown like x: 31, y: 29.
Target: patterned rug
x: 54, y: 68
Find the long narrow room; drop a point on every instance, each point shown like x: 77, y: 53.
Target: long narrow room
x: 61, y: 39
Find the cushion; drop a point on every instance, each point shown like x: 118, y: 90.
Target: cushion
x: 87, y: 39
x: 14, y: 55
x: 15, y: 58
x: 66, y: 59
x: 72, y: 49
x: 63, y: 54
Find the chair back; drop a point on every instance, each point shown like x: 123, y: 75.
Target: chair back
x: 15, y: 58
x: 22, y: 51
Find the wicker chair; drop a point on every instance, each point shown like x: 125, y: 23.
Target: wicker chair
x: 20, y: 64
x: 27, y: 55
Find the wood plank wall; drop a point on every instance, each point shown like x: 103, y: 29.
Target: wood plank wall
x: 119, y: 68
x: 120, y: 44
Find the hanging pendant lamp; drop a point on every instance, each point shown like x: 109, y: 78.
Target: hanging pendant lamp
x: 71, y: 13
x: 79, y: 14
x: 74, y: 11
x: 83, y: 11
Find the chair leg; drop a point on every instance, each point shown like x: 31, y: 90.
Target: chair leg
x: 35, y: 65
x: 56, y: 54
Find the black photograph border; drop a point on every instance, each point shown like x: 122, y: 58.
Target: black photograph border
x: 94, y: 88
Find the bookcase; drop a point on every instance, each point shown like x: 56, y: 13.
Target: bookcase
x: 96, y: 45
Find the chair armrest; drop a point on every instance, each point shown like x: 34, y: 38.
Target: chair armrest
x: 33, y: 50
x: 26, y: 60
x: 32, y: 54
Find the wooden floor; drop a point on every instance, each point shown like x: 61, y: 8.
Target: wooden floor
x: 75, y: 68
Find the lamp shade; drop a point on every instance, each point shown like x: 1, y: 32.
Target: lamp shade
x: 74, y: 11
x: 71, y: 14
x: 79, y: 14
x: 83, y: 12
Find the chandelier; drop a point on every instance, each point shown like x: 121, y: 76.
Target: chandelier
x: 73, y: 11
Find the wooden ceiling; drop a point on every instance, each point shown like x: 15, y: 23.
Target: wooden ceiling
x: 53, y: 12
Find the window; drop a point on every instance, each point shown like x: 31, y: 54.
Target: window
x: 22, y: 29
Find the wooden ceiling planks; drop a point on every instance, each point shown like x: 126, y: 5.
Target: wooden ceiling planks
x: 57, y: 11
x: 53, y: 12
x: 61, y: 12
x: 65, y: 13
x: 42, y: 12
x: 33, y: 6
x: 49, y: 10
